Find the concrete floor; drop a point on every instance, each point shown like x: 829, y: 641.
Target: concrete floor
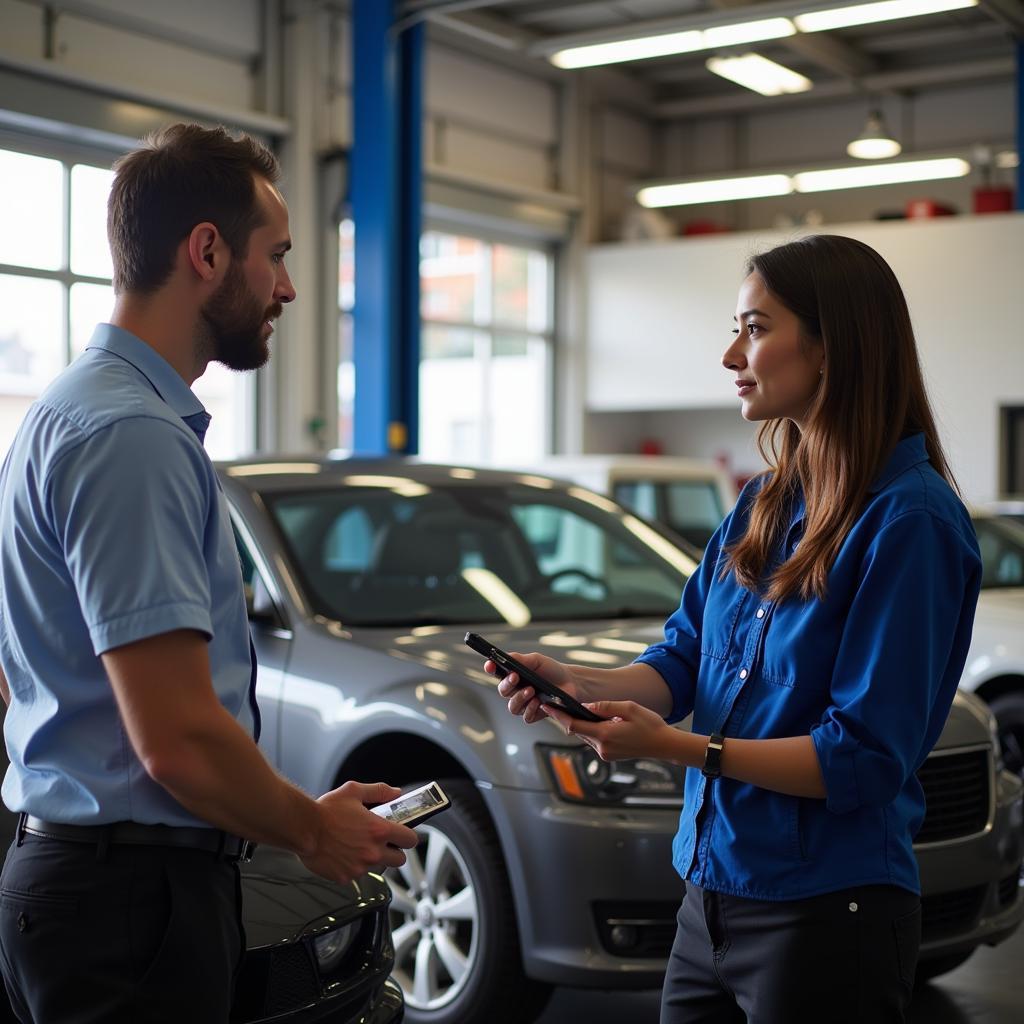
x: 988, y: 989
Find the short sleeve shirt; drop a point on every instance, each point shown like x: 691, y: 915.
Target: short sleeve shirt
x: 869, y: 673
x: 113, y: 528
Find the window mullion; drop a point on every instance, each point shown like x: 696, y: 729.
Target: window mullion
x: 66, y: 263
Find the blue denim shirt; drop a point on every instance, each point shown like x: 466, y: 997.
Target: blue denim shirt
x: 869, y: 673
x: 113, y: 528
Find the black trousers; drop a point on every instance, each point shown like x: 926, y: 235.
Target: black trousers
x: 846, y: 957
x: 129, y: 935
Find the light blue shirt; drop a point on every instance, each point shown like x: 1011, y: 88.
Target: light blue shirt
x: 113, y: 528
x: 869, y: 673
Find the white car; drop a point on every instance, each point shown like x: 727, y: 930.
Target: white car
x: 995, y: 662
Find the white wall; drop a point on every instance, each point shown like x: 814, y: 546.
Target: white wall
x: 660, y: 313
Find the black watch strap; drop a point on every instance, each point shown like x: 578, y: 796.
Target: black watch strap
x: 713, y: 756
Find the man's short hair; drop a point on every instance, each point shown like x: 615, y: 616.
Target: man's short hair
x: 180, y: 176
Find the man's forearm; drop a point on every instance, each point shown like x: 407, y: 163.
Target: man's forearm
x: 219, y: 774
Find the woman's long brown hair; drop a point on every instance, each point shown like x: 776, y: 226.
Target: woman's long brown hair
x: 872, y: 393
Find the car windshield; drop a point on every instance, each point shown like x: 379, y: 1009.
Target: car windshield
x: 1002, y: 552
x: 419, y: 554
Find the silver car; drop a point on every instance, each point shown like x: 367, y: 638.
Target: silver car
x: 551, y: 867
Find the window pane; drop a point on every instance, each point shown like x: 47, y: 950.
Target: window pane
x: 228, y: 397
x: 346, y: 383
x: 524, y: 435
x: 446, y: 342
x: 91, y: 304
x: 454, y: 278
x: 31, y: 347
x: 451, y: 398
x: 520, y: 288
x: 90, y: 251
x: 31, y: 211
x: 346, y: 265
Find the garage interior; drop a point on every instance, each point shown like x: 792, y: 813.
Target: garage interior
x: 485, y: 273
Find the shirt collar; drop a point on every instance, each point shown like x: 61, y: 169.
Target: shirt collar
x: 166, y: 381
x: 908, y: 453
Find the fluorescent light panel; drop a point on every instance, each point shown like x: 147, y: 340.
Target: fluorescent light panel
x: 880, y: 174
x: 755, y: 72
x: 692, y: 40
x: 715, y: 191
x: 866, y: 14
x: 673, y: 42
x: 761, y: 186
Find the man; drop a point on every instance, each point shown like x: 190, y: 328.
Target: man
x: 124, y: 645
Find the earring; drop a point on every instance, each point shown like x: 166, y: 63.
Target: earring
x: 821, y: 372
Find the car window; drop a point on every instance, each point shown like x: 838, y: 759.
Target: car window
x: 691, y: 508
x: 1002, y: 553
x: 376, y: 555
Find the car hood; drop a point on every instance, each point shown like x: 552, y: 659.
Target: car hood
x: 284, y: 901
x: 595, y: 643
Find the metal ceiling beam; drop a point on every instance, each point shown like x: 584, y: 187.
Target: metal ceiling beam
x: 487, y: 28
x: 883, y: 82
x: 933, y: 38
x: 1007, y: 12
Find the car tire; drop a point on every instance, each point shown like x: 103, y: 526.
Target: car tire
x: 1009, y: 711
x: 457, y: 953
x: 932, y: 968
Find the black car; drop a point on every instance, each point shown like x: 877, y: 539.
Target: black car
x: 315, y: 950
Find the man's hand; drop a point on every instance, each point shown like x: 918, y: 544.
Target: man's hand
x: 353, y: 840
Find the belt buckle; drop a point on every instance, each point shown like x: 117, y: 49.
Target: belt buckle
x: 246, y: 852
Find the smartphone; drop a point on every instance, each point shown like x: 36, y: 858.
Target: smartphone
x: 413, y: 808
x: 547, y: 692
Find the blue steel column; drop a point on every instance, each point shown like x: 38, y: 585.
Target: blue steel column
x: 385, y: 175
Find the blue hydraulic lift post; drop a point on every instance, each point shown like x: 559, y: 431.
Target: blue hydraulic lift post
x: 385, y: 175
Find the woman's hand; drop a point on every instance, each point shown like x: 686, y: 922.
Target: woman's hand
x: 631, y: 730
x: 522, y: 698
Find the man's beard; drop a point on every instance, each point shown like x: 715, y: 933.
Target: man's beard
x: 232, y: 322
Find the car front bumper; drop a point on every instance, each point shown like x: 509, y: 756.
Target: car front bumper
x: 583, y: 877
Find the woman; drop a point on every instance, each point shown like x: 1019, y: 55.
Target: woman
x: 818, y: 646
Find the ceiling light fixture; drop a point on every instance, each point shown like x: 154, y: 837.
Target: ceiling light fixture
x: 755, y: 72
x: 691, y: 36
x: 620, y: 50
x: 716, y: 190
x: 866, y: 14
x: 875, y: 142
x: 880, y: 174
x: 761, y: 186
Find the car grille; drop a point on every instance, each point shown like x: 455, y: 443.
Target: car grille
x: 946, y: 913
x: 956, y: 790
x: 293, y: 979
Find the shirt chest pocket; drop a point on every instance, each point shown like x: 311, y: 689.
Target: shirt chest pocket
x: 722, y: 615
x: 800, y: 646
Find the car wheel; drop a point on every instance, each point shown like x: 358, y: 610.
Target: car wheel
x: 1009, y: 711
x: 932, y: 968
x: 456, y: 942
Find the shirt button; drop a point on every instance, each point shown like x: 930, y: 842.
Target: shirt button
x: 743, y: 673
x: 853, y: 908
x: 760, y: 613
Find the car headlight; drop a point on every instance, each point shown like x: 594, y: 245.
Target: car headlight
x: 331, y: 947
x: 581, y: 776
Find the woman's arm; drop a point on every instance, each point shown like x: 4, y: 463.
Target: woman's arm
x: 786, y: 765
x: 637, y: 682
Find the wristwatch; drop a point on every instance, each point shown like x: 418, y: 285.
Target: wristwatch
x: 713, y: 756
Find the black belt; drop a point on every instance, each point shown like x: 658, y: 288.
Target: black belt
x: 131, y: 833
